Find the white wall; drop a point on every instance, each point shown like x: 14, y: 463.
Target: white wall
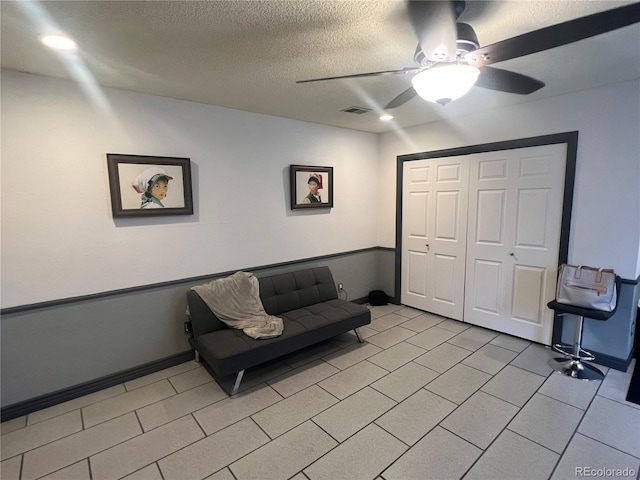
x: 605, y: 226
x: 59, y: 239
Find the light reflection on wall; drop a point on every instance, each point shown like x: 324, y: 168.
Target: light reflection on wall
x: 72, y: 59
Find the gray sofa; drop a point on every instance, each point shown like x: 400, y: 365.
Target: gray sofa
x: 306, y: 300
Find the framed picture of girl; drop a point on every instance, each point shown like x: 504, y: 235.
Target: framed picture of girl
x: 143, y: 186
x: 311, y: 187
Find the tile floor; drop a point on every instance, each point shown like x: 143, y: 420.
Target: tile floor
x: 423, y: 398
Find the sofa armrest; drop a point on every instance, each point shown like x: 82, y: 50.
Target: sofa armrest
x: 203, y: 320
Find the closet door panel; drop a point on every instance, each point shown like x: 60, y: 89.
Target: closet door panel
x: 531, y: 218
x: 484, y: 296
x: 419, y: 205
x: 490, y: 217
x: 487, y: 258
x: 528, y: 290
x: 521, y: 232
x: 528, y: 313
x: 447, y: 216
x: 445, y: 271
x: 417, y: 225
x: 538, y: 194
x: 416, y: 280
x: 434, y: 235
x: 447, y: 249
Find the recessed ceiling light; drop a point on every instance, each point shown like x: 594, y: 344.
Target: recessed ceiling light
x: 58, y: 42
x: 386, y: 117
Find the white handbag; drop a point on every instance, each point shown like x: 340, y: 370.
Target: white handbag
x: 587, y: 287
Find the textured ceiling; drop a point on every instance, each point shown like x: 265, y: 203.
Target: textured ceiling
x: 248, y: 55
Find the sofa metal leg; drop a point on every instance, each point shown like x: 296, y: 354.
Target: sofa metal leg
x: 358, y: 335
x: 197, y: 356
x: 237, y: 384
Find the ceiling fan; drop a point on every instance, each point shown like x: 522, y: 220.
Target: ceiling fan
x: 451, y: 61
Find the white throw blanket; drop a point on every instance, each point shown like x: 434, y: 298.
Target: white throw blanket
x: 236, y: 301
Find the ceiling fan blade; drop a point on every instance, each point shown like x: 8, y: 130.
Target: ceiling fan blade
x: 401, y: 99
x: 556, y: 35
x: 434, y: 23
x: 370, y: 74
x: 505, y: 81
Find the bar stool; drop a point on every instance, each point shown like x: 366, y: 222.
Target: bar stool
x: 572, y: 362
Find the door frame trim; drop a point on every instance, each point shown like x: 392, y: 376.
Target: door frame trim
x: 569, y: 138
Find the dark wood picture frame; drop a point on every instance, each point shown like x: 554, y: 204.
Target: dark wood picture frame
x: 132, y: 178
x: 304, y: 194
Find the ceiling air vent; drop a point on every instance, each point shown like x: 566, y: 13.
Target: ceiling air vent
x: 356, y: 110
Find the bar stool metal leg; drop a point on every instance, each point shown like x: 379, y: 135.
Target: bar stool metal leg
x: 572, y: 364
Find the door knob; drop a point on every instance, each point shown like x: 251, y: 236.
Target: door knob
x: 512, y: 254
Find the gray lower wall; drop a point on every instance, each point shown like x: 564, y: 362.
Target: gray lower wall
x: 50, y: 348
x: 614, y: 337
x: 387, y: 271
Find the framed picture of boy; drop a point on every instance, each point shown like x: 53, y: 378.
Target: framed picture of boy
x: 311, y: 187
x: 143, y: 185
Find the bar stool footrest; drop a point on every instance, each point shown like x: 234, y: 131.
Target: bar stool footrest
x: 567, y: 351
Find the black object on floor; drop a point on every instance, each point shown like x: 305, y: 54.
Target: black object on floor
x: 633, y: 394
x: 378, y: 297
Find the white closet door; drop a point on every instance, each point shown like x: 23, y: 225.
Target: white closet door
x: 435, y: 199
x: 416, y: 199
x: 515, y: 214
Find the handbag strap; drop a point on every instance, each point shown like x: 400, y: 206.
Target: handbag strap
x: 599, y: 276
x: 578, y: 273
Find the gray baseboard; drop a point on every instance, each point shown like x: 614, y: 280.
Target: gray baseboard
x: 612, y: 362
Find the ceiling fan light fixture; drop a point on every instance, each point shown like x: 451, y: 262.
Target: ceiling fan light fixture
x: 445, y: 83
